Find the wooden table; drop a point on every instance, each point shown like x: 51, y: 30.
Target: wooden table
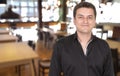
x: 14, y: 54
x: 114, y: 44
x: 8, y: 38
x: 4, y: 32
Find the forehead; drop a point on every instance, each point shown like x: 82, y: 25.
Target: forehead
x: 85, y: 11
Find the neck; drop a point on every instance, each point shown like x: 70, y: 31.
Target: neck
x: 84, y: 37
x: 84, y: 40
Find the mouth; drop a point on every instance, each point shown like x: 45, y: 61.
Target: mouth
x: 85, y: 25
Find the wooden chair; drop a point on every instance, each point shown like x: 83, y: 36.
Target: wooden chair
x: 43, y: 68
x: 43, y: 65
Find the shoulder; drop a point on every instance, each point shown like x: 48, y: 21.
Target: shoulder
x: 101, y: 41
x: 66, y: 40
x: 101, y: 45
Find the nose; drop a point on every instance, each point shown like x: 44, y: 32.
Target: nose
x: 85, y: 20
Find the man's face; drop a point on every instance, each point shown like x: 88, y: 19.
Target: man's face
x: 84, y: 20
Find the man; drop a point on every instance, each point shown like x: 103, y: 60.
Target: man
x: 82, y: 54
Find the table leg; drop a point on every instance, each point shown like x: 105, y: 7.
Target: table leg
x: 32, y: 68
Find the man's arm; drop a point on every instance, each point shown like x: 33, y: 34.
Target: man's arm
x: 108, y: 65
x: 55, y: 67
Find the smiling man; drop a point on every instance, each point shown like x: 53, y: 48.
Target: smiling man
x: 82, y: 54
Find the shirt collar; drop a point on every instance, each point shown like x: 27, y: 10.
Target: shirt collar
x: 76, y: 37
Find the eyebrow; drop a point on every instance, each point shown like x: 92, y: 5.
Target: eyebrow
x: 83, y: 15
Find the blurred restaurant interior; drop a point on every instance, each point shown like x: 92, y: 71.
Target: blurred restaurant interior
x: 29, y: 29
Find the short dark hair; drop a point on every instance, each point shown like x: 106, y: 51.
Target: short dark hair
x: 86, y: 5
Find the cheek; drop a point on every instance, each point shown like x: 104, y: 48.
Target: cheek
x: 93, y: 23
x: 77, y: 22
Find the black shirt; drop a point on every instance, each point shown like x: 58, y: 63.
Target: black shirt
x: 68, y: 58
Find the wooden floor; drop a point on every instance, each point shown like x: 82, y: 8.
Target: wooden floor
x: 42, y: 51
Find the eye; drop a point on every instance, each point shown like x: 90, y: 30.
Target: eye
x: 90, y: 17
x: 80, y: 17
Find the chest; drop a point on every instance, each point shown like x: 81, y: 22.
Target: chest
x: 74, y: 58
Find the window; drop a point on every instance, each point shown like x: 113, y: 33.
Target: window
x: 103, y: 10
x: 50, y: 10
x: 27, y: 9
